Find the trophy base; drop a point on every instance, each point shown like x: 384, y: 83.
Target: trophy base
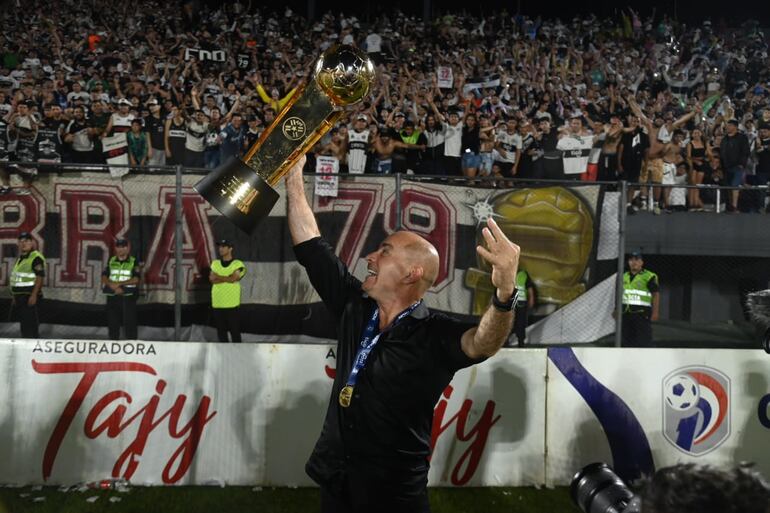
x: 238, y: 193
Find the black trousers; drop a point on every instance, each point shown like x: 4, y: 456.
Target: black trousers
x: 333, y: 504
x: 453, y: 166
x: 194, y: 158
x: 520, y: 320
x: 121, y: 310
x: 637, y: 330
x: 608, y: 167
x: 385, y: 489
x: 432, y: 166
x: 228, y: 319
x: 27, y: 315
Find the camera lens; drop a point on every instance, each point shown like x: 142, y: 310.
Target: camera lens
x: 597, y: 489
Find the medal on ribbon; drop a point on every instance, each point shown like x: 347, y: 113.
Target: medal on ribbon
x: 368, y: 341
x: 346, y: 394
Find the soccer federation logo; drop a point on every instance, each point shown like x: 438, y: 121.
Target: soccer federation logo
x: 696, y: 409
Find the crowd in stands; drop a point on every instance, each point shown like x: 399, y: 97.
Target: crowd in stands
x: 639, y: 98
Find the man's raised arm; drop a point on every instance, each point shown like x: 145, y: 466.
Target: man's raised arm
x: 327, y: 273
x: 495, y: 325
x: 302, y: 223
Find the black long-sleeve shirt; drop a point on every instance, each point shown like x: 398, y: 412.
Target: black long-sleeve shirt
x: 388, y: 422
x: 734, y: 151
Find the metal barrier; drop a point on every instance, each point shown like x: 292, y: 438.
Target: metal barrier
x: 148, y: 202
x: 717, y: 192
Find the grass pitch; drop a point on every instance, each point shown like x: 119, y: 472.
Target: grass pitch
x: 235, y: 499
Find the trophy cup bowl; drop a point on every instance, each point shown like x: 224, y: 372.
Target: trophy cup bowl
x: 243, y: 189
x: 345, y: 75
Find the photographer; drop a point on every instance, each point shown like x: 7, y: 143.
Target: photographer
x: 683, y: 488
x: 690, y: 488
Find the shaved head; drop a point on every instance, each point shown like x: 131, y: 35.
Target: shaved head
x: 422, y: 254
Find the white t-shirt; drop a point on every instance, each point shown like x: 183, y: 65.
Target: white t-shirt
x: 453, y: 139
x: 24, y: 122
x: 30, y: 62
x: 373, y: 43
x: 576, y: 150
x: 82, y: 95
x: 8, y: 82
x: 435, y: 137
x: 664, y: 135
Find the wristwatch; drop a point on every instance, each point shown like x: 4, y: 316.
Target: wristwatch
x: 505, y: 306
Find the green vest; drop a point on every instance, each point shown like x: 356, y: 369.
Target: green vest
x: 521, y: 285
x: 410, y: 139
x: 636, y: 291
x: 120, y: 272
x: 226, y: 295
x: 22, y: 275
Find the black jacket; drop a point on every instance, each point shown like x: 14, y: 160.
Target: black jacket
x: 734, y: 151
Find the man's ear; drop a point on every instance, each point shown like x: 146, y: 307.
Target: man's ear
x: 415, y: 274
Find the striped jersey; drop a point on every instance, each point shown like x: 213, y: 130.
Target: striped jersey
x: 575, y: 152
x: 196, y: 135
x: 121, y: 124
x: 357, y: 146
x: 510, y: 143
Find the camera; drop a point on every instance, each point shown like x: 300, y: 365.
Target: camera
x: 682, y: 488
x: 597, y: 489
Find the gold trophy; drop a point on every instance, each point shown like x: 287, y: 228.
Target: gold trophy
x: 243, y: 190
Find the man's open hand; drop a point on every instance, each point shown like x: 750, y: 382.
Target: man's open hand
x: 502, y: 255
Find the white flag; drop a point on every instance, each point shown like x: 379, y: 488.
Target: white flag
x: 115, y: 149
x: 445, y: 77
x: 327, y: 176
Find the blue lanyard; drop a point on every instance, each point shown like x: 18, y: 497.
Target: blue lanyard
x: 369, y: 341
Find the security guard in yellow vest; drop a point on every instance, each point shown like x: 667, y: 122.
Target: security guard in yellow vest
x: 26, y: 284
x: 526, y: 300
x: 120, y: 282
x: 640, y: 302
x: 226, y: 274
x: 413, y: 156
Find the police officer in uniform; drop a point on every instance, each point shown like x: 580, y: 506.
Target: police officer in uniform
x: 26, y: 284
x: 120, y: 281
x: 526, y: 300
x: 640, y: 302
x: 225, y: 276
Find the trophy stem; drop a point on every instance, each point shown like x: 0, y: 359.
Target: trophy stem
x: 307, y: 116
x: 307, y: 144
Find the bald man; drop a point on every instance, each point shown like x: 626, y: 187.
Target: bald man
x: 394, y: 359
